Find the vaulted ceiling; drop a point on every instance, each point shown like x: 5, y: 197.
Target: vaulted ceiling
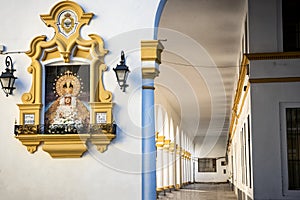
x: 199, y: 69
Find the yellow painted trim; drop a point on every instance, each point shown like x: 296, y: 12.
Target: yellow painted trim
x: 237, y: 97
x: 167, y: 142
x: 172, y: 147
x: 167, y: 145
x: 273, y: 56
x: 149, y: 73
x: 151, y: 50
x: 161, y: 138
x: 66, y: 47
x: 101, y: 141
x: 236, y: 114
x: 160, y: 141
x: 30, y: 141
x: 156, y: 135
x: 51, y: 54
x: 98, y: 107
x: 275, y: 80
x: 65, y: 146
x: 82, y: 53
x: 30, y: 109
x: 243, y: 100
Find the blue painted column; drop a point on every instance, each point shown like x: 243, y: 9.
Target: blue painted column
x: 148, y: 142
x: 150, y: 56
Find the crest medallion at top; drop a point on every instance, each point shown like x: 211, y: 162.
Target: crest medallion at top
x: 67, y: 22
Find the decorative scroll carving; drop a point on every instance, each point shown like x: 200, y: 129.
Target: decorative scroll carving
x: 67, y: 47
x: 101, y: 141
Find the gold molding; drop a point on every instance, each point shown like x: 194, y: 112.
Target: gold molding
x: 30, y: 141
x: 50, y: 54
x: 172, y: 147
x: 246, y: 58
x: 151, y: 50
x: 101, y: 141
x: 273, y: 55
x: 275, y: 80
x: 66, y: 45
x: 149, y: 72
x: 178, y: 150
x: 237, y: 97
x: 160, y: 138
x: 171, y: 186
x: 160, y: 141
x: 101, y: 107
x: 166, y: 145
x: 243, y: 100
x: 167, y: 142
x: 65, y: 146
x: 30, y: 109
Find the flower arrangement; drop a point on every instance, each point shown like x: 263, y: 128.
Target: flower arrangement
x: 66, y: 119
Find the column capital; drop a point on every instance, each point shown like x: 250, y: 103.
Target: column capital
x: 160, y: 141
x: 149, y: 72
x: 151, y: 50
x: 151, y: 58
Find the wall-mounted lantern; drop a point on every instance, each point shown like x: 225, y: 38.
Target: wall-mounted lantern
x: 7, y: 78
x: 122, y: 71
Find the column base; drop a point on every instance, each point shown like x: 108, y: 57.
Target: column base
x: 171, y: 186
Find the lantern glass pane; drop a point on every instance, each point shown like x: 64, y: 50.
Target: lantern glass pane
x: 5, y: 82
x: 121, y: 75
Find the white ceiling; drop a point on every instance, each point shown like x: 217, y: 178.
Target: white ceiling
x: 199, y: 68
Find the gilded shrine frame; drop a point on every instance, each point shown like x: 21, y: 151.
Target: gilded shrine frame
x: 67, y: 45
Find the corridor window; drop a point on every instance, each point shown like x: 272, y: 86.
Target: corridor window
x: 291, y: 25
x: 207, y: 165
x: 293, y: 147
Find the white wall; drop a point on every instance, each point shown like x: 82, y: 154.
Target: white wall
x: 114, y: 174
x: 267, y: 147
x: 264, y: 26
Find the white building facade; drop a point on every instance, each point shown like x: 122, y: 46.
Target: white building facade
x: 263, y: 148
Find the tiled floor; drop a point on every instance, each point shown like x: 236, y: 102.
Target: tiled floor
x: 201, y: 192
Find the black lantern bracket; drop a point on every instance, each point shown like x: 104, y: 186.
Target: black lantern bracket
x: 7, y: 78
x: 122, y: 71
